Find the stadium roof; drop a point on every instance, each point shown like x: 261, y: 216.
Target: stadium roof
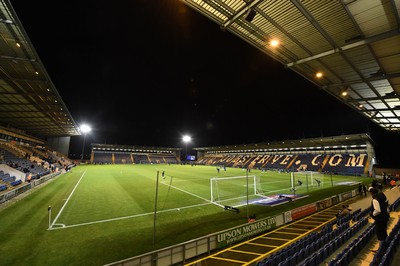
x: 29, y: 100
x: 354, y: 44
x: 356, y: 140
x: 130, y: 148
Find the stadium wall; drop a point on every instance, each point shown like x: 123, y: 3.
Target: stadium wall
x: 60, y: 144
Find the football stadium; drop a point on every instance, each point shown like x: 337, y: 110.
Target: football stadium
x: 306, y: 201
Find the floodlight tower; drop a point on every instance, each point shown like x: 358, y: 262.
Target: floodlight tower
x: 84, y: 129
x: 186, y: 139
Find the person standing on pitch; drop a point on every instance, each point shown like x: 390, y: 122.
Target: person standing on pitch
x: 365, y: 190
x: 379, y: 213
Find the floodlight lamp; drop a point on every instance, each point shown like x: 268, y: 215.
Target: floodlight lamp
x: 319, y: 74
x: 85, y: 128
x: 186, y: 139
x: 274, y: 43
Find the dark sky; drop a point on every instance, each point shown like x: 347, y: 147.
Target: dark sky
x: 146, y: 72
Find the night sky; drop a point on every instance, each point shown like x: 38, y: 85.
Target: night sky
x: 146, y: 72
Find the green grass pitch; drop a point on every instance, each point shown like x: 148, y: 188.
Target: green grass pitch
x: 104, y: 213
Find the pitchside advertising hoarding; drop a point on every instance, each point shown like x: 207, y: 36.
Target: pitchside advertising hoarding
x: 300, y: 212
x: 244, y: 231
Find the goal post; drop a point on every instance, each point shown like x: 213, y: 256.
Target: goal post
x: 229, y: 189
x: 308, y: 178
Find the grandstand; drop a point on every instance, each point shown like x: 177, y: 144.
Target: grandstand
x: 347, y: 154
x: 104, y: 211
x: 124, y: 154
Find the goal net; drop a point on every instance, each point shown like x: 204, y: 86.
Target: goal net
x: 307, y: 179
x: 234, y: 190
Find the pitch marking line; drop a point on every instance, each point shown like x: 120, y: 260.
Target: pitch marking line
x: 124, y: 217
x: 184, y: 191
x: 66, y: 202
x: 63, y: 226
x: 194, y: 195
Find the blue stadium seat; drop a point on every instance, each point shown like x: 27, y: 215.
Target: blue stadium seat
x: 312, y: 248
x: 307, y: 252
x: 265, y: 262
x: 318, y: 257
x: 326, y: 251
x: 333, y: 262
x: 279, y: 257
x: 273, y: 261
x: 310, y: 261
x: 291, y: 250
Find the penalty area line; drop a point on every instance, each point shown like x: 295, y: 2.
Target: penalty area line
x: 125, y: 217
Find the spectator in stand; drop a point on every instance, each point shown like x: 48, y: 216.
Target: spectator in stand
x: 346, y: 209
x: 376, y: 184
x: 384, y: 179
x: 379, y: 213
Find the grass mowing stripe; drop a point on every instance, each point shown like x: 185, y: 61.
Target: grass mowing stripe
x: 128, y: 217
x: 187, y: 192
x: 65, y: 203
x: 98, y: 231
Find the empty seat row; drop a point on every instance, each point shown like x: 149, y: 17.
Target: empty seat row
x: 304, y: 248
x: 7, y: 178
x: 16, y: 183
x: 322, y: 245
x: 3, y: 187
x: 386, y: 251
x: 395, y: 205
x: 354, y: 248
x: 316, y: 247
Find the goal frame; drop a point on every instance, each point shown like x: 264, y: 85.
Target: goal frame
x: 253, y: 179
x: 309, y: 175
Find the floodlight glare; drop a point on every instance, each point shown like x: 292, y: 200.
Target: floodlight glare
x: 274, y: 43
x: 186, y: 139
x: 85, y: 128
